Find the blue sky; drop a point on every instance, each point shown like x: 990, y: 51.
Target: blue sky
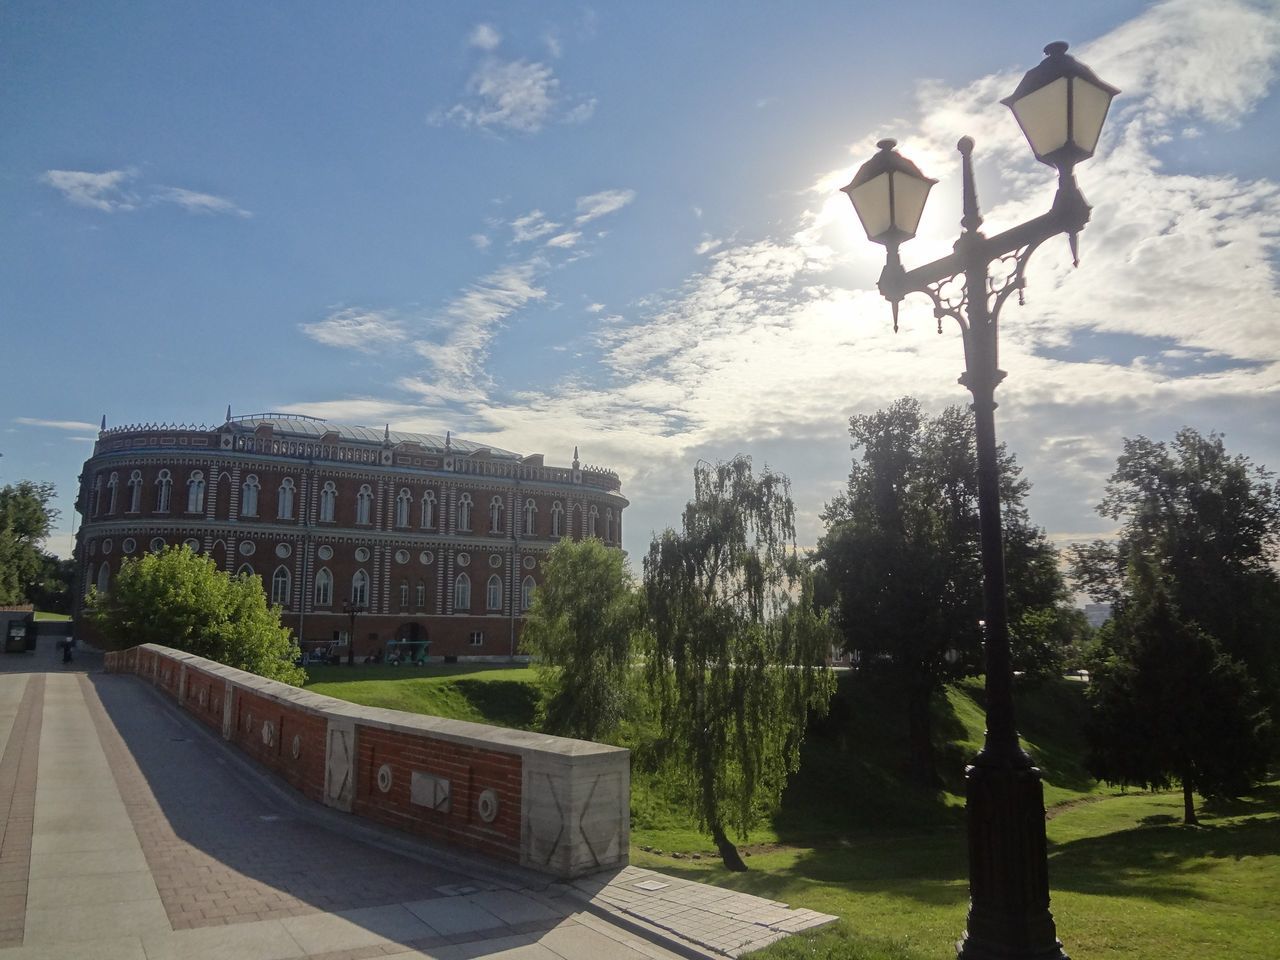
x: 618, y: 226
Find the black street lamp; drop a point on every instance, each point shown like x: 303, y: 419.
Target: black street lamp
x: 351, y: 609
x: 1060, y: 106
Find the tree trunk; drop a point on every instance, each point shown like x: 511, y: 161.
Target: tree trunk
x: 1188, y: 806
x: 923, y: 768
x: 728, y: 852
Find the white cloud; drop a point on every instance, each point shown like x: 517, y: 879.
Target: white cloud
x: 480, y: 241
x: 581, y: 112
x: 99, y: 191
x: 485, y: 37
x: 531, y: 226
x: 56, y: 424
x: 602, y: 203
x: 565, y: 240
x: 352, y: 410
x: 552, y: 41
x: 352, y: 328
x: 595, y: 308
x: 110, y: 192
x: 195, y: 202
x: 471, y: 319
x: 707, y: 245
x: 515, y: 95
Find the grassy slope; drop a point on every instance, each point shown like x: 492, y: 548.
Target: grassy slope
x: 854, y: 839
x: 502, y: 696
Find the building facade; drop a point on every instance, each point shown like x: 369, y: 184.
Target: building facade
x: 432, y: 539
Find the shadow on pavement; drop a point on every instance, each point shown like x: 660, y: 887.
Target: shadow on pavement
x: 223, y: 851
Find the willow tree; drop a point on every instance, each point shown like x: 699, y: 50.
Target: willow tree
x: 585, y: 620
x: 739, y: 652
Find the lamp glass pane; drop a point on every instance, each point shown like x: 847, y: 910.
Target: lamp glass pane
x: 1043, y: 116
x: 1090, y: 109
x: 909, y: 194
x: 871, y: 200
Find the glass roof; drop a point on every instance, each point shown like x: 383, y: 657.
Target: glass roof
x: 315, y: 428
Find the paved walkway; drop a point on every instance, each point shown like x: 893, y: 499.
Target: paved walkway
x: 130, y: 832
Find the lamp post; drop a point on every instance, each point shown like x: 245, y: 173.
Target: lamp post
x: 1060, y: 105
x: 351, y: 609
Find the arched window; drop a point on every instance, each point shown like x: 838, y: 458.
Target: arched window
x: 608, y: 525
x: 245, y: 571
x: 493, y: 593
x: 364, y: 504
x: 526, y: 593
x: 404, y: 594
x: 195, y: 492
x: 249, y: 496
x: 104, y: 577
x: 464, y: 513
x: 324, y: 588
x: 530, y: 515
x: 280, y: 584
x: 284, y: 500
x: 360, y: 589
x: 420, y: 595
x: 164, y: 491
x: 328, y: 501
x: 591, y: 521
x: 113, y: 488
x: 95, y: 503
x: 462, y: 594
x: 557, y: 519
x: 495, y: 515
x: 428, y: 510
x: 135, y: 491
x: 403, y: 501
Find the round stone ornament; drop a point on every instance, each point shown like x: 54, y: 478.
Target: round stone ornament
x: 487, y: 805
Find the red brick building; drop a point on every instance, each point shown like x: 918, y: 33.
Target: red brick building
x: 438, y: 539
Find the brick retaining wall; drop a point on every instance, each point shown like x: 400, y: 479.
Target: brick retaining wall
x: 556, y: 805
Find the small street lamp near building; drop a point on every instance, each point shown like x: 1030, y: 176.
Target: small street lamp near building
x: 1060, y: 105
x: 351, y: 609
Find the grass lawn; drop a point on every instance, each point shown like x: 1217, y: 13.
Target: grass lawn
x: 1127, y: 880
x: 42, y: 615
x: 504, y: 696
x: 855, y: 839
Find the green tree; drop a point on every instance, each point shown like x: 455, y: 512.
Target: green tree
x: 26, y: 518
x: 901, y: 556
x: 585, y: 619
x: 52, y: 590
x: 1214, y: 521
x: 182, y: 600
x: 1169, y: 706
x: 738, y: 654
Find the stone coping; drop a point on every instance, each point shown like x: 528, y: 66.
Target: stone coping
x: 527, y: 744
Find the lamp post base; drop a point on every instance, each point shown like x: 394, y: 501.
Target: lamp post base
x: 1009, y: 916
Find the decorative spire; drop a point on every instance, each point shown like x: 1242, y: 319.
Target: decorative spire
x: 575, y: 456
x: 448, y: 440
x: 104, y: 422
x: 228, y: 413
x: 386, y: 434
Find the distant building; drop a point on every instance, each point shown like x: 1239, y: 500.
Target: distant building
x: 439, y: 539
x: 1097, y: 613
